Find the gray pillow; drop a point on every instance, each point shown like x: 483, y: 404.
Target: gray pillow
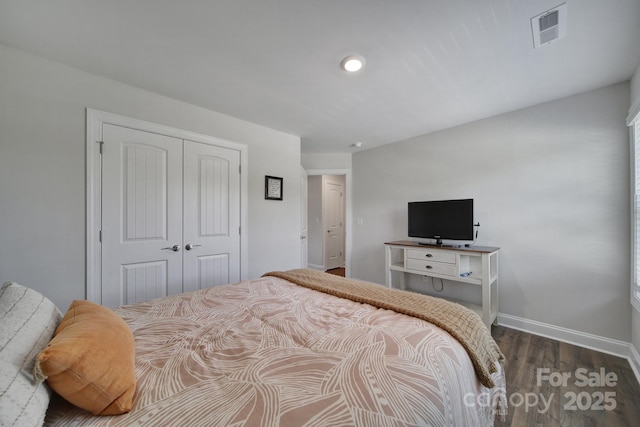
x: 28, y: 321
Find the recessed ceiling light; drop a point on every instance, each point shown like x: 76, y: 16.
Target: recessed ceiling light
x: 352, y: 63
x: 356, y: 144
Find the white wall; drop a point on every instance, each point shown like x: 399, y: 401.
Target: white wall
x: 635, y: 86
x: 326, y: 161
x: 551, y: 188
x: 635, y: 319
x: 314, y: 221
x: 42, y: 171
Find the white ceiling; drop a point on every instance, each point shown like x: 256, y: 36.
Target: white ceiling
x: 431, y: 64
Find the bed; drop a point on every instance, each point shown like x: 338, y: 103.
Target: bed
x: 304, y: 348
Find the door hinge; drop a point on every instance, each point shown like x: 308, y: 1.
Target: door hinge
x: 100, y: 236
x: 240, y: 169
x: 101, y: 145
x: 240, y: 230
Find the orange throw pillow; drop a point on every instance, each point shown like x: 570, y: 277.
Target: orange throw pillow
x: 90, y: 360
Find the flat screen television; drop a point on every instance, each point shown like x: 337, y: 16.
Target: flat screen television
x: 441, y: 219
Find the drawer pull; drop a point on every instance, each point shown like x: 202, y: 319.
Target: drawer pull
x: 429, y: 267
x: 429, y: 255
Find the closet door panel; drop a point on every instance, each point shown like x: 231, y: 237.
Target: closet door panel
x: 141, y: 215
x: 211, y: 215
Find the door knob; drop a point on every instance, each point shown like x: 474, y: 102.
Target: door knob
x: 174, y: 248
x: 190, y: 246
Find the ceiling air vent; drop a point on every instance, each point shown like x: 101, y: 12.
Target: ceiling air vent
x: 549, y: 26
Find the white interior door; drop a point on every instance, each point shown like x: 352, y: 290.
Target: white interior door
x: 333, y: 212
x: 211, y: 216
x: 141, y: 215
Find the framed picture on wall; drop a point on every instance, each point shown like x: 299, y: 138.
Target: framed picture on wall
x: 272, y: 188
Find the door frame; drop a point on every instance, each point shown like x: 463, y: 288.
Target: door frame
x: 304, y: 224
x: 348, y: 239
x: 95, y: 119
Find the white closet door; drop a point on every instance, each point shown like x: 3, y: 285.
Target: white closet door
x: 211, y: 215
x: 141, y: 215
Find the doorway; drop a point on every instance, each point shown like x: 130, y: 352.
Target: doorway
x: 329, y: 224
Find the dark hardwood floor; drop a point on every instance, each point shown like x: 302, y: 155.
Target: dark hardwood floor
x: 337, y: 271
x: 539, y: 395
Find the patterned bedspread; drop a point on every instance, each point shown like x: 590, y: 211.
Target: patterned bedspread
x: 267, y: 352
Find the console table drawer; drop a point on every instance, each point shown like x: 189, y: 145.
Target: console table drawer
x: 431, y: 267
x: 437, y: 256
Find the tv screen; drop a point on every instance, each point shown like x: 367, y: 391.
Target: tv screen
x: 441, y: 219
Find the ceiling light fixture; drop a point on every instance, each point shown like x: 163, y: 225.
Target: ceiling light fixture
x: 356, y: 144
x: 352, y: 63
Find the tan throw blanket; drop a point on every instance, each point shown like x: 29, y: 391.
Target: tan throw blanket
x: 463, y: 324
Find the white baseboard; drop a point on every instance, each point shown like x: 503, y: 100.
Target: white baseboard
x: 634, y: 361
x: 582, y: 339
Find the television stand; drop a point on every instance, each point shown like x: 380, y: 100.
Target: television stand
x: 476, y: 265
